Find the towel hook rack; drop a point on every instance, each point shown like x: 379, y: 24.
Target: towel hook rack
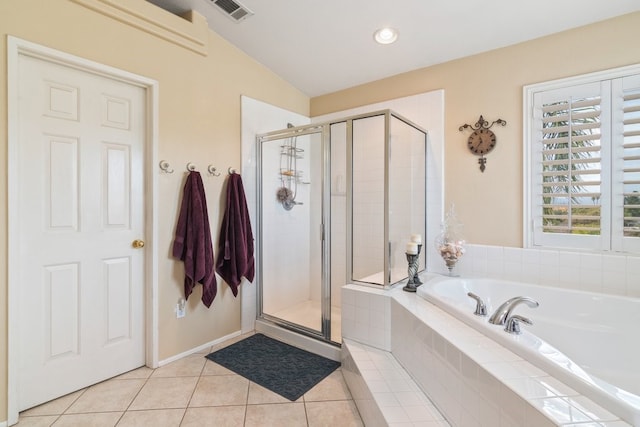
x: 165, y: 166
x: 232, y: 171
x: 213, y: 170
x: 191, y: 167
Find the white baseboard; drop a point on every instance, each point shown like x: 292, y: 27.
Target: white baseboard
x: 194, y: 350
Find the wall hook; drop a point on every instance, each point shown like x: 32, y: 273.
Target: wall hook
x: 191, y: 167
x: 165, y: 166
x: 213, y: 170
x: 231, y: 171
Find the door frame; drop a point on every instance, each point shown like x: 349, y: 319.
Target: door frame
x: 15, y: 48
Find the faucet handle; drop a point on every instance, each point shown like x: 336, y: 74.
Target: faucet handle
x: 513, y: 324
x: 481, y: 308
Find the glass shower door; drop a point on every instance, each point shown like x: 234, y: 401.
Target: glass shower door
x: 291, y: 230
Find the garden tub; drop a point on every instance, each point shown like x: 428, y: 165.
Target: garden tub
x: 588, y: 341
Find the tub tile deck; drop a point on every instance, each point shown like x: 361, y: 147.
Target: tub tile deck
x: 464, y: 362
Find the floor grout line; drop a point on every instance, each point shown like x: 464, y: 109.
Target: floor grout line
x: 277, y: 409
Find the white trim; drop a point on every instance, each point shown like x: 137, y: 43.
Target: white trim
x: 613, y: 73
x: 151, y: 224
x: 527, y: 221
x: 529, y: 92
x: 199, y: 348
x: 12, y: 213
x: 15, y: 48
x: 189, y: 32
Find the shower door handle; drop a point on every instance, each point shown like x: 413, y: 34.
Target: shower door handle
x: 322, y: 232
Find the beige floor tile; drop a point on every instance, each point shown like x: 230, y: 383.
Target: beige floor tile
x: 220, y: 391
x: 341, y: 413
x: 212, y: 368
x: 259, y: 395
x: 154, y: 417
x: 165, y: 393
x: 190, y: 366
x: 216, y: 416
x: 195, y: 392
x: 141, y: 373
x: 333, y: 387
x: 37, y: 421
x: 110, y: 395
x: 276, y: 415
x: 54, y: 407
x: 105, y: 419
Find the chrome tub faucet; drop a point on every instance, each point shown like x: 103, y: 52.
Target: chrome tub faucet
x: 504, y: 311
x: 513, y: 324
x: 481, y: 308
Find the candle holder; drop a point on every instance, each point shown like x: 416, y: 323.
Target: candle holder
x: 449, y: 244
x: 416, y: 278
x: 412, y: 272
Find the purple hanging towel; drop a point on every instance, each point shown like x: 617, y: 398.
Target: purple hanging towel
x: 192, y: 242
x: 235, y: 243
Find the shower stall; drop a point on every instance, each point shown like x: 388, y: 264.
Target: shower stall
x: 337, y: 203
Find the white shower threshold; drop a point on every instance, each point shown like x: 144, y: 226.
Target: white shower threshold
x: 296, y: 339
x: 308, y: 314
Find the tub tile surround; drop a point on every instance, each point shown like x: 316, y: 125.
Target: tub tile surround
x: 383, y: 391
x: 472, y: 380
x: 366, y: 314
x: 611, y: 274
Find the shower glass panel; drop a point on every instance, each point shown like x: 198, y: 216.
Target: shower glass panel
x: 388, y: 196
x: 368, y: 226
x: 407, y: 194
x: 291, y: 218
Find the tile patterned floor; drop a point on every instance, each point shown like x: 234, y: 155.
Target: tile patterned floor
x: 195, y: 391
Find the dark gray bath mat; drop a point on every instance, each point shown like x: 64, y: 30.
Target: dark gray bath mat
x: 282, y: 368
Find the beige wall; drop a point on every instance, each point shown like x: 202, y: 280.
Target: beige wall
x: 490, y: 203
x: 199, y: 121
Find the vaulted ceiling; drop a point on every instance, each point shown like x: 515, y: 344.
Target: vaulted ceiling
x: 325, y: 46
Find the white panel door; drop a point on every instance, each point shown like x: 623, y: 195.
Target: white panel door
x: 81, y: 205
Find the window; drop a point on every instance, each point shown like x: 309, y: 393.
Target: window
x: 582, y: 162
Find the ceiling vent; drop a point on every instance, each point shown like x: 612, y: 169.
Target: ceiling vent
x: 233, y: 9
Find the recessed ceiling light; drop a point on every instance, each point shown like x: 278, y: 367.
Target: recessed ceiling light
x: 385, y: 35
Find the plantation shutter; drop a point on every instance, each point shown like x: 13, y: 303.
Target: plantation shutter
x: 583, y: 166
x: 626, y: 188
x: 570, y: 148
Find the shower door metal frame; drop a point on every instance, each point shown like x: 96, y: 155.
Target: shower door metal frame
x: 387, y: 113
x: 325, y: 130
x: 325, y: 232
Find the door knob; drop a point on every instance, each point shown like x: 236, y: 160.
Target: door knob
x: 138, y: 244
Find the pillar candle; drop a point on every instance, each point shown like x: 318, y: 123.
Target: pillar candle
x: 416, y: 238
x: 412, y: 248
